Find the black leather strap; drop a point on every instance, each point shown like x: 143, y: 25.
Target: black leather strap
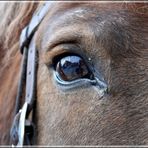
x: 21, y: 130
x: 31, y: 75
x: 29, y: 30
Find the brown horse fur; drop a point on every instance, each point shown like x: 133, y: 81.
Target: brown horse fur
x: 115, y: 37
x: 14, y: 17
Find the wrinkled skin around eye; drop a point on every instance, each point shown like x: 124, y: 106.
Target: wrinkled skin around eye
x: 71, y: 67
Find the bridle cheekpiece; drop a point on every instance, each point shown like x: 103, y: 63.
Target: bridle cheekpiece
x: 23, y: 130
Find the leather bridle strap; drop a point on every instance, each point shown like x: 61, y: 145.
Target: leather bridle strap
x: 22, y: 130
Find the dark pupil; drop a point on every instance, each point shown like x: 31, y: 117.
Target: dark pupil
x: 71, y: 67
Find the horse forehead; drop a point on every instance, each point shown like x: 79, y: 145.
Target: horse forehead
x: 79, y: 12
x: 75, y: 13
x: 80, y: 9
x: 70, y: 10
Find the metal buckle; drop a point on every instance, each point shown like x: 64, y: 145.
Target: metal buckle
x: 22, y: 130
x: 21, y: 126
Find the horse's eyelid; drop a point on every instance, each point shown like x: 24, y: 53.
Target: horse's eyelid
x: 60, y: 56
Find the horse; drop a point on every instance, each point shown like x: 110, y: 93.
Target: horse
x: 92, y: 73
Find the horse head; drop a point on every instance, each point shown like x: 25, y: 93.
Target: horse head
x: 92, y: 74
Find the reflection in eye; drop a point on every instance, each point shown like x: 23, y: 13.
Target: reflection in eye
x: 71, y: 67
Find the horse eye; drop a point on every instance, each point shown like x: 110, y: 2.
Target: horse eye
x: 72, y: 67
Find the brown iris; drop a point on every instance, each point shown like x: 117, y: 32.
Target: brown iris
x: 71, y: 68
